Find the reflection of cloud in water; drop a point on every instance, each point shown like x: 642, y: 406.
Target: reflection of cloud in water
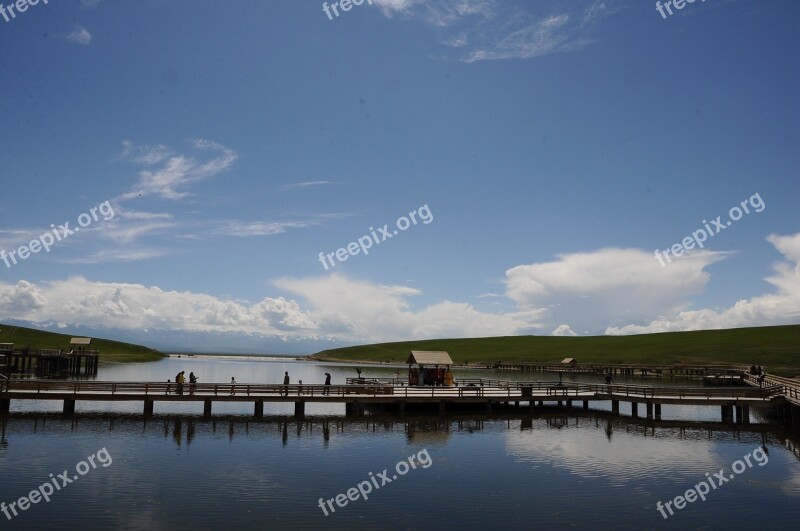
x: 627, y: 457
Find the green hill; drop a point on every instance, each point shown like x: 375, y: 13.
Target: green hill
x: 109, y: 350
x: 775, y: 347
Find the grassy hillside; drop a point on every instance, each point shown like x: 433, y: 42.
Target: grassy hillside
x: 109, y: 350
x: 775, y: 347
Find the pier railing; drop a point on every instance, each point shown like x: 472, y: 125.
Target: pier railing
x: 790, y: 388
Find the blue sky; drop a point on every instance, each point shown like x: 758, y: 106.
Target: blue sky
x: 556, y: 144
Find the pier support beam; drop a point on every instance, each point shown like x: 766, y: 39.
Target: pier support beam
x: 5, y: 406
x: 635, y: 409
x: 441, y: 407
x: 351, y: 409
x: 727, y: 413
x: 401, y: 407
x: 615, y: 407
x: 745, y: 418
x: 560, y: 404
x: 207, y: 409
x: 148, y: 409
x: 69, y: 406
x: 649, y: 407
x: 569, y: 403
x: 541, y: 403
x: 585, y: 405
x: 488, y: 408
x: 658, y: 411
x: 258, y: 409
x: 300, y: 409
x: 738, y: 410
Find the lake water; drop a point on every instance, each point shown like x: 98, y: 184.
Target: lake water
x: 550, y: 470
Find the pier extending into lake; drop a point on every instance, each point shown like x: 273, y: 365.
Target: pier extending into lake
x: 389, y: 394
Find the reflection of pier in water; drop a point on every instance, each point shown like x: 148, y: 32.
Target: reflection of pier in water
x: 426, y: 430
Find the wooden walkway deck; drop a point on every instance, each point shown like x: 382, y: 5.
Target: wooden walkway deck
x: 387, y: 393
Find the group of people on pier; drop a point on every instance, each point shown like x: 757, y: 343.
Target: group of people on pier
x: 180, y: 381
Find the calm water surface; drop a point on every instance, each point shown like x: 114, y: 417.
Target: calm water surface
x: 551, y: 471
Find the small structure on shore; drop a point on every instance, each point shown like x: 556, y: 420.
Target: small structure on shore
x: 429, y: 367
x: 80, y: 360
x: 570, y: 362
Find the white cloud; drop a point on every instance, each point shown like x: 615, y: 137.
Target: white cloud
x: 564, y: 330
x: 177, y: 171
x: 369, y: 312
x: 306, y: 184
x: 608, y: 287
x: 81, y: 302
x: 781, y: 307
x: 336, y: 308
x: 490, y: 30
x: 80, y: 36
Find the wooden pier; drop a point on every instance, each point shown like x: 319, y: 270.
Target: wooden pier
x: 626, y: 369
x: 481, y: 395
x: 78, y: 361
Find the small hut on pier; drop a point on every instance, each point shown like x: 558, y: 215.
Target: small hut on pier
x: 429, y: 367
x: 79, y: 345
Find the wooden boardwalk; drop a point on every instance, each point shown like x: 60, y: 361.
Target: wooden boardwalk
x: 388, y: 393
x: 629, y: 369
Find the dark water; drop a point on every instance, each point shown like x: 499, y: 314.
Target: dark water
x: 552, y: 471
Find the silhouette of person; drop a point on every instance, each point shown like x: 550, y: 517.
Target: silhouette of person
x: 286, y: 383
x: 327, y: 390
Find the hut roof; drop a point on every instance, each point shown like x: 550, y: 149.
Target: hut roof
x: 429, y: 357
x: 80, y: 341
x: 568, y: 361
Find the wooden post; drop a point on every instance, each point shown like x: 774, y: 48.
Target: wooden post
x: 69, y: 406
x: 300, y: 409
x: 441, y: 407
x: 259, y: 409
x: 206, y: 409
x: 5, y: 406
x: 727, y: 413
x: 649, y: 407
x: 634, y: 409
x: 148, y: 408
x: 488, y: 407
x: 658, y: 411
x: 569, y: 403
x: 401, y: 407
x: 738, y: 410
x: 585, y: 405
x: 615, y: 407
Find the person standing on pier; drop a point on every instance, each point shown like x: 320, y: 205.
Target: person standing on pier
x: 233, y: 386
x: 286, y: 383
x: 180, y: 379
x: 327, y: 390
x: 192, y: 383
